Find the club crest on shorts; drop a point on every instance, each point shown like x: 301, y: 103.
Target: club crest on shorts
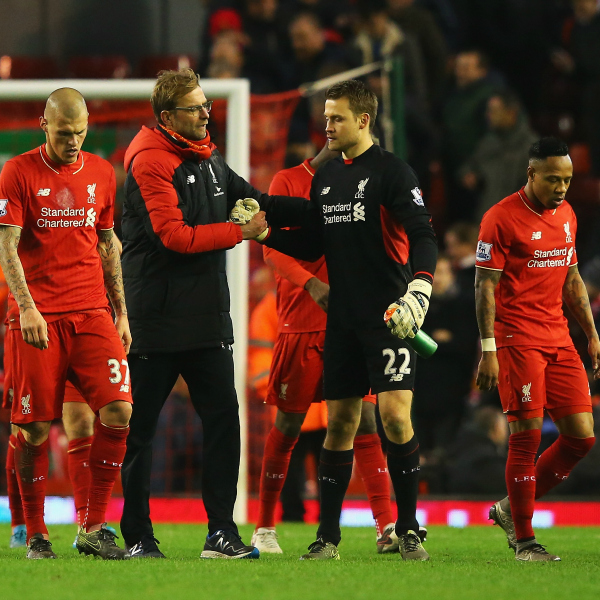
x: 526, y: 389
x: 283, y: 392
x: 484, y: 251
x: 3, y: 203
x: 25, y: 404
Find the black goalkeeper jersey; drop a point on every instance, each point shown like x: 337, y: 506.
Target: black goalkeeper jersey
x: 368, y: 220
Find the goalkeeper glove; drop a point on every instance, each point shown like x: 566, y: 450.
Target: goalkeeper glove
x: 243, y: 211
x: 406, y: 316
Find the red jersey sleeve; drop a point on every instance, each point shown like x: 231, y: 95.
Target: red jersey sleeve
x: 165, y: 218
x: 11, y: 201
x: 495, y: 234
x: 106, y: 219
x: 574, y: 260
x: 285, y: 266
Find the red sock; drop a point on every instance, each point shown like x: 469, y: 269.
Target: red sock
x: 12, y: 485
x: 276, y: 460
x: 78, y: 464
x: 372, y: 467
x: 556, y: 462
x: 32, y: 464
x: 520, y: 479
x: 106, y: 458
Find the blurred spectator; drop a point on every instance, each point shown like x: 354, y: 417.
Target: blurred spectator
x: 477, y: 459
x: 313, y: 56
x: 464, y: 124
x: 517, y: 34
x: 226, y: 59
x: 254, y: 30
x: 495, y: 169
x: 581, y: 60
x: 445, y: 14
x: 419, y: 23
x: 444, y: 380
x: 335, y: 15
x: 379, y: 38
x: 461, y: 243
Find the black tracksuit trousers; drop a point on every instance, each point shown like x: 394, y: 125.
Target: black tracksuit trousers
x: 208, y: 373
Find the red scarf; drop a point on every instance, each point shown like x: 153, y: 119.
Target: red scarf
x: 201, y: 148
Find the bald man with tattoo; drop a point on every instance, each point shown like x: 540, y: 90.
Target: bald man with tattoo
x: 60, y: 259
x: 526, y: 269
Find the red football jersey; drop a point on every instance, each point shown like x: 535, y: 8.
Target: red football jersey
x: 59, y: 208
x: 297, y: 312
x: 534, y: 249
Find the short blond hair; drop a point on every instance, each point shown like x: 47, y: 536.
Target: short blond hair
x: 170, y: 87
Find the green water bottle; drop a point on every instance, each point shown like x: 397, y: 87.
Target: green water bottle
x: 422, y: 344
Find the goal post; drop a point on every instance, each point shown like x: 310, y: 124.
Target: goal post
x: 237, y: 138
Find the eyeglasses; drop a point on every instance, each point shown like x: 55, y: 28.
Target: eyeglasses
x: 194, y: 111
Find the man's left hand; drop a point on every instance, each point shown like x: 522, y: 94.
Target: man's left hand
x: 122, y: 325
x: 594, y: 352
x: 243, y: 211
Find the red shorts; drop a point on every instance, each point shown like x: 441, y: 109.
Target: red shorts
x: 296, y: 378
x: 533, y: 379
x: 83, y: 348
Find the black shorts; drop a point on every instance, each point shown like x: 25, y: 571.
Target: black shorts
x: 358, y: 360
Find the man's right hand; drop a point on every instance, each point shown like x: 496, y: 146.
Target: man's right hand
x: 487, y: 373
x: 34, y: 328
x: 318, y: 291
x: 255, y: 226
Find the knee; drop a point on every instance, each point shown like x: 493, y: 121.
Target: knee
x: 116, y: 414
x: 395, y: 424
x: 342, y: 425
x: 36, y: 433
x: 80, y: 426
x: 289, y: 424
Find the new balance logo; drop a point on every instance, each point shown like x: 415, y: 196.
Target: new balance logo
x: 361, y: 188
x: 91, y: 218
x: 124, y: 388
x: 397, y: 377
x: 191, y: 179
x: 417, y: 196
x: 536, y: 235
x: 325, y: 190
x: 25, y: 403
x: 43, y: 192
x: 359, y: 212
x: 526, y: 389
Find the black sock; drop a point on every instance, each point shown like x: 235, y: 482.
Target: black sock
x: 403, y: 465
x: 335, y: 471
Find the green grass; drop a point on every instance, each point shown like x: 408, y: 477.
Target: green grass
x: 472, y: 563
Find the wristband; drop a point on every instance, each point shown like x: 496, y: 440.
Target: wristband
x: 488, y: 345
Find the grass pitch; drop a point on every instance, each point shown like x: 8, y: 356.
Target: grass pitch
x: 472, y: 563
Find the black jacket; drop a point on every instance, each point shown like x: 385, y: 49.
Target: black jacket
x: 175, y: 233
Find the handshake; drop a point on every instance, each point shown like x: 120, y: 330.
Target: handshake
x: 248, y: 215
x: 405, y: 317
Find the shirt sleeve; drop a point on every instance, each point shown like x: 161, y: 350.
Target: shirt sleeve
x: 11, y: 196
x: 163, y: 219
x: 494, y: 240
x: 285, y: 266
x: 106, y: 219
x: 574, y: 260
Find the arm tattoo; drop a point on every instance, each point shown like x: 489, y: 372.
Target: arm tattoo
x: 12, y: 267
x: 111, y: 266
x: 486, y: 281
x: 576, y: 298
